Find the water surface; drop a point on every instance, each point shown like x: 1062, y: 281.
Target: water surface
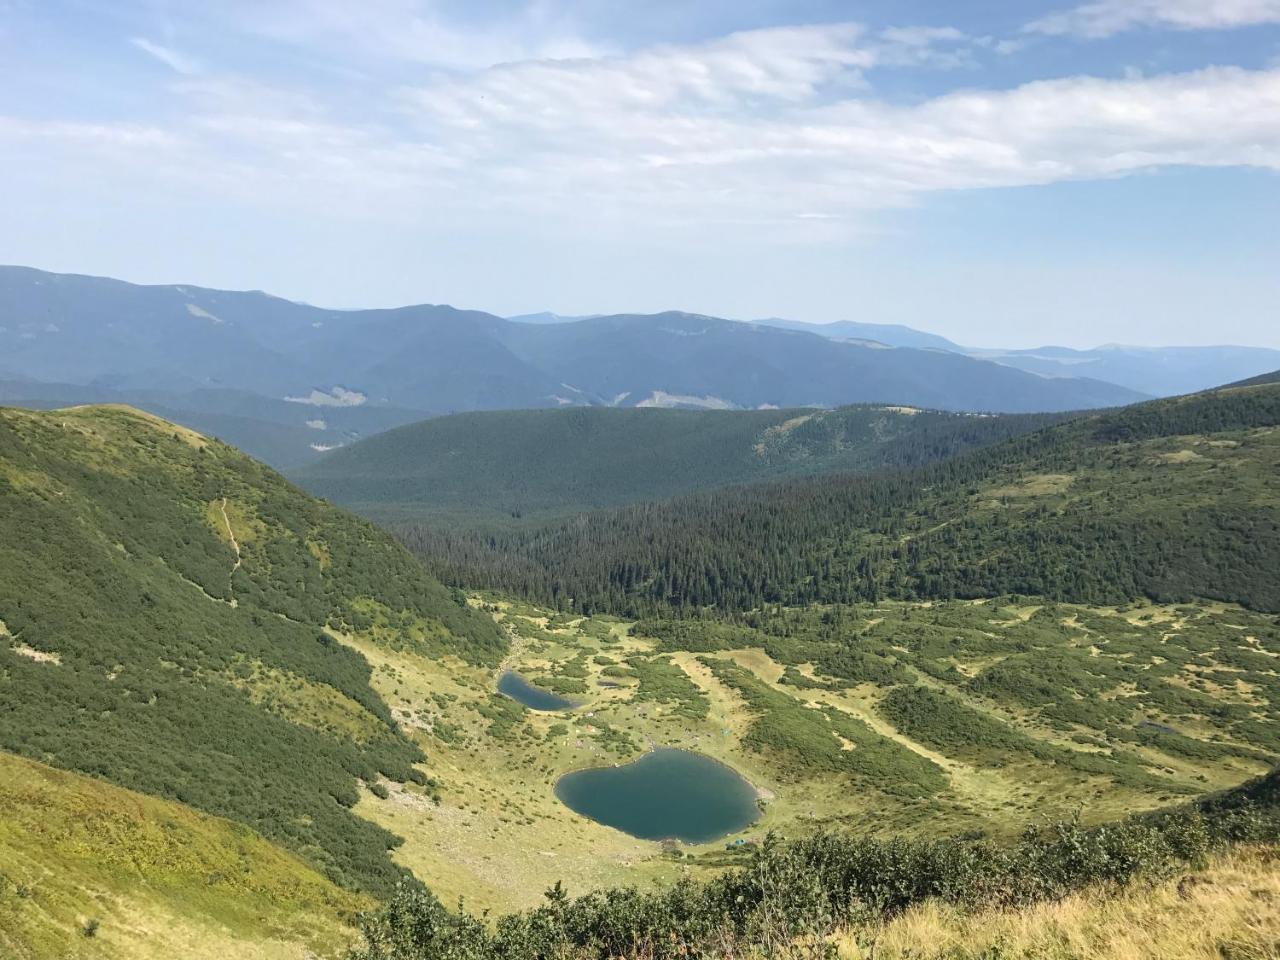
x: 535, y: 698
x: 666, y: 793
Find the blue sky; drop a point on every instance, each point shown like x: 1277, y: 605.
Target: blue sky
x: 1003, y: 173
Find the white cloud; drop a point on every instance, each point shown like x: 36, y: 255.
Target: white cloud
x: 178, y: 62
x: 337, y: 397
x: 1105, y: 18
x: 771, y: 130
x: 418, y: 31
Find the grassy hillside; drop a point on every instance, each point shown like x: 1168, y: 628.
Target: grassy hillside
x: 277, y: 432
x: 534, y: 463
x: 97, y: 872
x: 163, y: 610
x: 1170, y: 500
x: 1227, y: 907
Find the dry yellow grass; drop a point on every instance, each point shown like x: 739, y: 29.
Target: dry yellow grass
x: 1228, y: 911
x: 159, y: 879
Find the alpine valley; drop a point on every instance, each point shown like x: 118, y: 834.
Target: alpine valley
x: 684, y: 480
x: 978, y: 676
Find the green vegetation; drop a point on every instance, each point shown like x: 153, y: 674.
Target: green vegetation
x: 149, y: 878
x: 169, y: 612
x: 793, y: 897
x: 662, y: 681
x: 843, y: 718
x: 1171, y: 500
x: 508, y: 468
x: 828, y: 741
x: 966, y: 648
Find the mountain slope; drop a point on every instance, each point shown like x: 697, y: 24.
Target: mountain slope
x: 1259, y: 381
x: 1155, y: 371
x: 1158, y: 371
x: 149, y: 878
x: 1172, y: 499
x: 279, y: 432
x: 164, y: 607
x: 525, y: 463
x: 438, y: 359
x: 890, y: 334
x: 691, y: 360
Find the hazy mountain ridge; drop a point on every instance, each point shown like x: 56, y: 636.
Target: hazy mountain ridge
x: 429, y: 360
x: 1156, y: 371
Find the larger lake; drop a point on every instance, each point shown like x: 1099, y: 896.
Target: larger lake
x: 666, y: 793
x: 535, y: 698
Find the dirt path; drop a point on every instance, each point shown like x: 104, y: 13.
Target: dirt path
x: 235, y: 545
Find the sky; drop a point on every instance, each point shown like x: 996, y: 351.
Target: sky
x: 1003, y: 173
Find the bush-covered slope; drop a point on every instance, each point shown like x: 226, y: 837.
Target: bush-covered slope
x: 163, y: 610
x: 1172, y: 500
x: 521, y: 463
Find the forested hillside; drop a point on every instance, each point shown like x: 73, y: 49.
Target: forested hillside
x: 510, y: 465
x: 1169, y: 500
x: 166, y: 608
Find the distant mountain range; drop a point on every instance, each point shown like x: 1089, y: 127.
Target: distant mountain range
x: 1156, y: 371
x: 287, y: 381
x: 890, y: 334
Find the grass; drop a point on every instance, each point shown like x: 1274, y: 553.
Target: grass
x: 1229, y: 910
x: 90, y: 870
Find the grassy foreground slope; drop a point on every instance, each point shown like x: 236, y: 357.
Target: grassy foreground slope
x: 163, y: 605
x: 94, y: 871
x: 1171, y: 500
x: 529, y: 463
x: 1230, y: 907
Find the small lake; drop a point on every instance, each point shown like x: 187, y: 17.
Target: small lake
x: 535, y: 698
x: 666, y: 793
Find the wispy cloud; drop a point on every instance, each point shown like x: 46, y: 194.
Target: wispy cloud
x: 418, y: 31
x: 758, y: 128
x: 1105, y: 18
x: 178, y: 62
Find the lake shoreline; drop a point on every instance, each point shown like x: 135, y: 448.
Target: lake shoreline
x: 685, y: 755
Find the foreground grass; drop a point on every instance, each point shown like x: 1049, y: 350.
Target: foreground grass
x: 89, y: 870
x: 1230, y: 910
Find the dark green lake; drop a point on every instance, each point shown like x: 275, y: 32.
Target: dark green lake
x: 535, y: 698
x: 666, y: 793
